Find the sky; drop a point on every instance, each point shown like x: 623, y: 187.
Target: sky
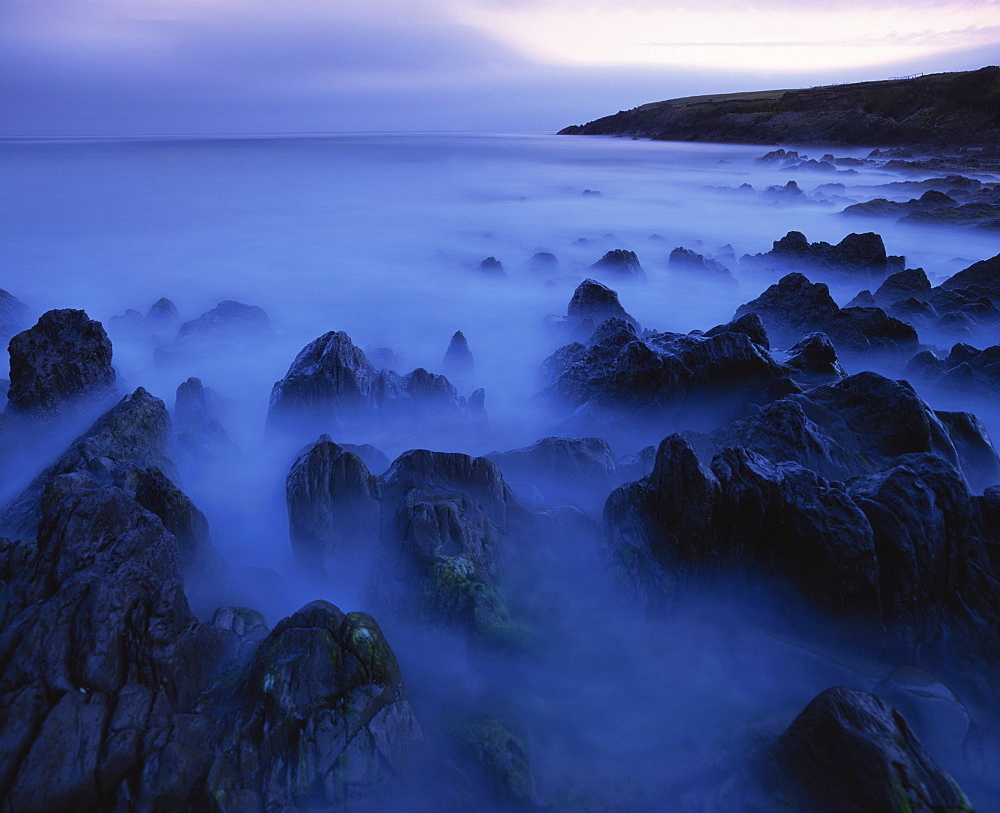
x: 119, y: 67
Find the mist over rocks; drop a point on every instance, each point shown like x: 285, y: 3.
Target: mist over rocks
x: 684, y: 260
x: 229, y: 323
x: 61, y: 364
x: 458, y: 359
x: 331, y: 384
x: 619, y: 263
x: 857, y: 255
x: 14, y: 315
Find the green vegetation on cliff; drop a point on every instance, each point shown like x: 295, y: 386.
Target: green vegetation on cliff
x: 933, y: 110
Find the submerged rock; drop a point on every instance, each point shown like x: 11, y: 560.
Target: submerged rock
x: 620, y: 263
x: 458, y: 357
x: 62, y: 363
x: 849, y: 750
x: 491, y: 266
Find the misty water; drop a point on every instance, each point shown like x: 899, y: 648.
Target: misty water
x: 381, y: 236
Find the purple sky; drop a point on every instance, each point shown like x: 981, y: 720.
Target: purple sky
x: 90, y: 67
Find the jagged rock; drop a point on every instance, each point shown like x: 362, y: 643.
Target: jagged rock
x: 595, y: 301
x: 902, y: 285
x: 863, y: 299
x: 664, y: 374
x: 849, y: 750
x: 331, y: 384
x: 319, y: 718
x: 857, y: 255
x: 965, y: 369
x: 62, y: 363
x: 687, y: 261
x: 227, y: 324
x: 458, y: 357
x: 445, y: 517
x: 14, y: 315
x: 333, y: 508
x: 162, y: 310
x: 620, y: 263
x: 791, y: 307
x: 579, y: 471
x: 794, y: 306
x: 492, y: 267
x: 815, y: 359
x: 749, y: 325
x: 984, y: 276
x: 200, y: 435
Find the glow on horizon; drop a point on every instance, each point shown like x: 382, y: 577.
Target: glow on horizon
x: 733, y: 35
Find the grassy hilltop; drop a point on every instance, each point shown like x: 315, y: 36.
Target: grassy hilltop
x: 942, y: 109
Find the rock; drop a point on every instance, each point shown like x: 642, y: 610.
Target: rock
x: 228, y: 325
x: 501, y: 761
x: 458, y: 357
x: 492, y: 267
x: 333, y: 509
x: 815, y: 360
x: 902, y: 285
x: 984, y: 276
x: 871, y: 332
x: 848, y: 750
x: 61, y: 364
x: 162, y: 310
x: 664, y: 375
x: 543, y: 263
x: 791, y: 307
x: 595, y: 301
x: 445, y: 519
x: 687, y: 261
x: 749, y: 325
x: 578, y: 471
x: 863, y: 299
x: 856, y: 255
x: 14, y: 315
x: 331, y: 385
x: 199, y: 434
x: 319, y: 718
x: 620, y: 263
x: 790, y: 192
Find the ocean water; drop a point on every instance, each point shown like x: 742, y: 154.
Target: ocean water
x: 381, y: 236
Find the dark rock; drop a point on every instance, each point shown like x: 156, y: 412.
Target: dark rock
x: 815, y: 359
x: 596, y: 301
x: 331, y: 384
x: 856, y: 255
x: 685, y: 260
x: 984, y: 276
x: 749, y: 325
x: 789, y: 192
x: 849, y: 750
x: 62, y: 363
x: 863, y: 299
x: 620, y: 263
x: 458, y: 357
x: 445, y: 517
x: 162, y: 310
x: 871, y: 331
x: 791, y: 307
x: 333, y: 508
x: 902, y: 285
x: 579, y: 471
x: 492, y: 267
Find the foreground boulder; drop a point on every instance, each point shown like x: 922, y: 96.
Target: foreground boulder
x: 849, y: 750
x: 60, y: 364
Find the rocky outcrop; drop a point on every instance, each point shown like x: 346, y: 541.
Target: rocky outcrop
x: 857, y: 255
x: 331, y: 384
x: 932, y: 110
x: 664, y: 374
x: 577, y: 471
x: 983, y: 277
x: 228, y: 324
x: 965, y: 369
x: 690, y: 262
x: 814, y: 359
x: 911, y: 282
x: 492, y: 267
x: 333, y: 509
x: 445, y: 519
x: 458, y: 358
x: 620, y: 264
x: 794, y: 306
x: 61, y: 364
x: 849, y: 750
x: 593, y: 302
x: 906, y: 548
x: 199, y: 433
